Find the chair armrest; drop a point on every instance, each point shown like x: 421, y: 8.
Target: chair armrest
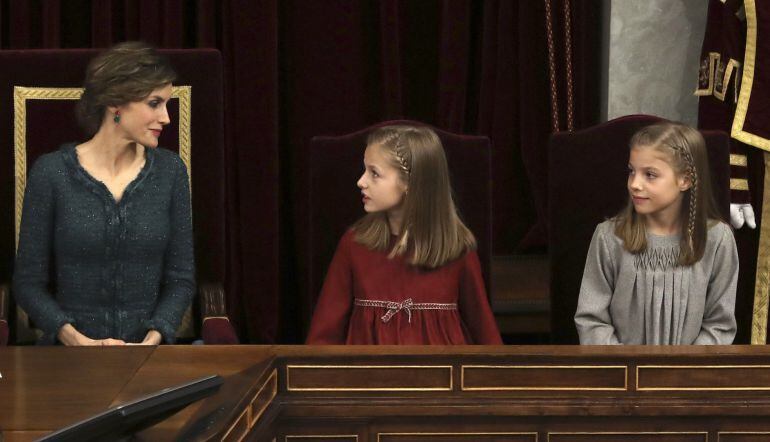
x: 5, y: 299
x: 216, y: 327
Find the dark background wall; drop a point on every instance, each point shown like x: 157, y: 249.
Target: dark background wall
x: 512, y: 70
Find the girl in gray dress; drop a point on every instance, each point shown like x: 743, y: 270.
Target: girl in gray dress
x: 664, y: 270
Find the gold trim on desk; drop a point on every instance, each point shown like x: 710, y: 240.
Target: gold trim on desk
x: 248, y: 413
x: 758, y: 433
x: 696, y: 367
x: 273, y: 381
x: 630, y: 433
x: 245, y: 414
x: 365, y: 367
x: 319, y: 436
x: 471, y: 433
x: 544, y: 388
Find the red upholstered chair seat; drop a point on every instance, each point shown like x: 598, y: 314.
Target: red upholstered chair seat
x: 587, y: 184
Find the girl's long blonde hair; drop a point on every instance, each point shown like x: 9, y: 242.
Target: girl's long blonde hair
x: 686, y: 150
x: 432, y: 232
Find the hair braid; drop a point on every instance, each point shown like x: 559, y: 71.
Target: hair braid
x: 692, y: 175
x: 393, y: 141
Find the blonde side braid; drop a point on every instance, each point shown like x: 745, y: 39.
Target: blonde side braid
x: 397, y: 151
x: 693, y: 206
x: 401, y: 159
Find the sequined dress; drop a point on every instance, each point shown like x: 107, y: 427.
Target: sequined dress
x: 118, y: 268
x: 648, y: 298
x: 368, y: 298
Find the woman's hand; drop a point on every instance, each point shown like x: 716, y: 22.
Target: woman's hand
x: 153, y: 338
x: 68, y: 335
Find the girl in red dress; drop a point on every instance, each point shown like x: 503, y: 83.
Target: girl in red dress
x: 407, y: 272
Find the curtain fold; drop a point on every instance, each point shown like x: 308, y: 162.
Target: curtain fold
x: 294, y: 69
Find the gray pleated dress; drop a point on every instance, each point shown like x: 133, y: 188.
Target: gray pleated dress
x: 647, y: 298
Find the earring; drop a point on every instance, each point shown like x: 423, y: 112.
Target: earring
x: 116, y: 118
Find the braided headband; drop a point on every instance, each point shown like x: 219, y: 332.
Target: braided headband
x: 692, y: 175
x: 398, y: 150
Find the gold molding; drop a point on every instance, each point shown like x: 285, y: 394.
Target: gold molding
x: 738, y: 160
x: 247, y: 413
x: 20, y: 96
x: 251, y: 420
x: 290, y: 388
x: 695, y: 367
x: 545, y: 388
x: 720, y: 433
x: 470, y: 433
x: 747, y: 82
x: 630, y: 433
x: 273, y: 380
x: 319, y: 436
x: 762, y: 279
x: 739, y: 184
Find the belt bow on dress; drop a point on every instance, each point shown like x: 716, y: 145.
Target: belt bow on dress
x: 407, y: 304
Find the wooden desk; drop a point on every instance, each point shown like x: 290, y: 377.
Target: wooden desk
x: 293, y: 394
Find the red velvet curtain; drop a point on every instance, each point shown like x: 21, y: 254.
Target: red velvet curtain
x: 295, y: 69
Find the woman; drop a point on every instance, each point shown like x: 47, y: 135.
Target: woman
x: 110, y: 216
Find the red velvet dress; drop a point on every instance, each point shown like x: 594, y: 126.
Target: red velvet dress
x: 359, y: 273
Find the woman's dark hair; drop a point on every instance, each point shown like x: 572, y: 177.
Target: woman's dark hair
x: 126, y: 72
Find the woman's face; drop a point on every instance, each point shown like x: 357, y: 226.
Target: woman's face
x: 382, y: 188
x: 142, y: 121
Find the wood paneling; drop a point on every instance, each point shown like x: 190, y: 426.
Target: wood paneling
x: 336, y: 378
x: 401, y: 394
x: 457, y: 437
x: 543, y: 377
x: 703, y: 378
x: 628, y: 437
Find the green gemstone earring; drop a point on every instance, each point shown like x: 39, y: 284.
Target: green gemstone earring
x: 116, y: 118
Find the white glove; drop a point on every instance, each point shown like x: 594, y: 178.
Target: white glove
x: 740, y: 213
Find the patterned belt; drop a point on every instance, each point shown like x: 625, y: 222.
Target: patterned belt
x: 407, y: 304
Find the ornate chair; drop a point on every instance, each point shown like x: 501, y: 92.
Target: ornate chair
x: 336, y: 163
x: 39, y: 89
x: 587, y: 184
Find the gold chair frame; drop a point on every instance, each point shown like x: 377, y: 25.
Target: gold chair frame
x: 21, y: 95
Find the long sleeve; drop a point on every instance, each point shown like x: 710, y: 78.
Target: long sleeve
x: 719, y: 326
x: 33, y: 260
x: 332, y: 312
x: 592, y: 318
x: 178, y: 280
x: 474, y: 304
